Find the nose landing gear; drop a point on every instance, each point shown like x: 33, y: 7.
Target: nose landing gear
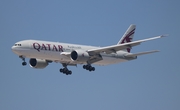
x: 24, y: 62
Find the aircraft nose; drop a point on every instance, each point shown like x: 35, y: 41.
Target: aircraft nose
x: 13, y: 48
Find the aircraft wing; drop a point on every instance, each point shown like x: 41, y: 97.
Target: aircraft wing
x: 114, y: 48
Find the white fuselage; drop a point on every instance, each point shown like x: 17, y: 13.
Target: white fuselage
x: 41, y: 53
x: 52, y: 51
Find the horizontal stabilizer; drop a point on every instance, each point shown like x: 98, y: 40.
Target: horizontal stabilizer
x: 140, y: 53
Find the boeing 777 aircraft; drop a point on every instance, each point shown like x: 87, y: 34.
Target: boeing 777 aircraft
x: 41, y: 53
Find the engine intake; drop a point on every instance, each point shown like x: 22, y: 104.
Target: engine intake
x: 79, y: 56
x: 37, y: 63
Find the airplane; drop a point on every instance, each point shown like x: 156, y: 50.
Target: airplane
x: 41, y: 53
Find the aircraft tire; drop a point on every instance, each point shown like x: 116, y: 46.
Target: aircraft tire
x: 93, y: 69
x: 61, y: 70
x: 24, y: 63
x: 84, y: 66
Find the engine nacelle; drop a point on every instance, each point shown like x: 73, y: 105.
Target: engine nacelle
x: 37, y: 63
x: 79, y: 56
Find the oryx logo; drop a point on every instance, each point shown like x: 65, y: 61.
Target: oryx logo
x: 128, y: 38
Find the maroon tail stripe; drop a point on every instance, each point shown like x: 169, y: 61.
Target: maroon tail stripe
x: 132, y: 32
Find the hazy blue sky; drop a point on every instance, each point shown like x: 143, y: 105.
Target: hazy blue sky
x: 152, y: 82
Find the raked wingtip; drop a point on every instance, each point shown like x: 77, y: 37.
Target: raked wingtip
x: 165, y: 35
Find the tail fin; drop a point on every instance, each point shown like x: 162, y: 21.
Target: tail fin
x: 128, y: 36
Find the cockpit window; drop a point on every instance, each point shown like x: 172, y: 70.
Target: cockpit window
x: 17, y: 45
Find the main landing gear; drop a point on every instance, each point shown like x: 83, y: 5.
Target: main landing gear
x: 65, y: 70
x: 89, y: 67
x: 24, y: 62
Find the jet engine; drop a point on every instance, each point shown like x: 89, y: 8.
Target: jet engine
x: 38, y: 63
x: 79, y: 56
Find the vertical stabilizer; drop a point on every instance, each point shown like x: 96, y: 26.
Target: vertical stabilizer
x: 128, y: 36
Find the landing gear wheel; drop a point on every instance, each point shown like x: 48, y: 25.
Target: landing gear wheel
x: 65, y: 71
x: 84, y: 66
x: 61, y: 70
x: 89, y: 67
x: 69, y: 72
x: 23, y: 59
x: 24, y: 63
x: 93, y: 69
